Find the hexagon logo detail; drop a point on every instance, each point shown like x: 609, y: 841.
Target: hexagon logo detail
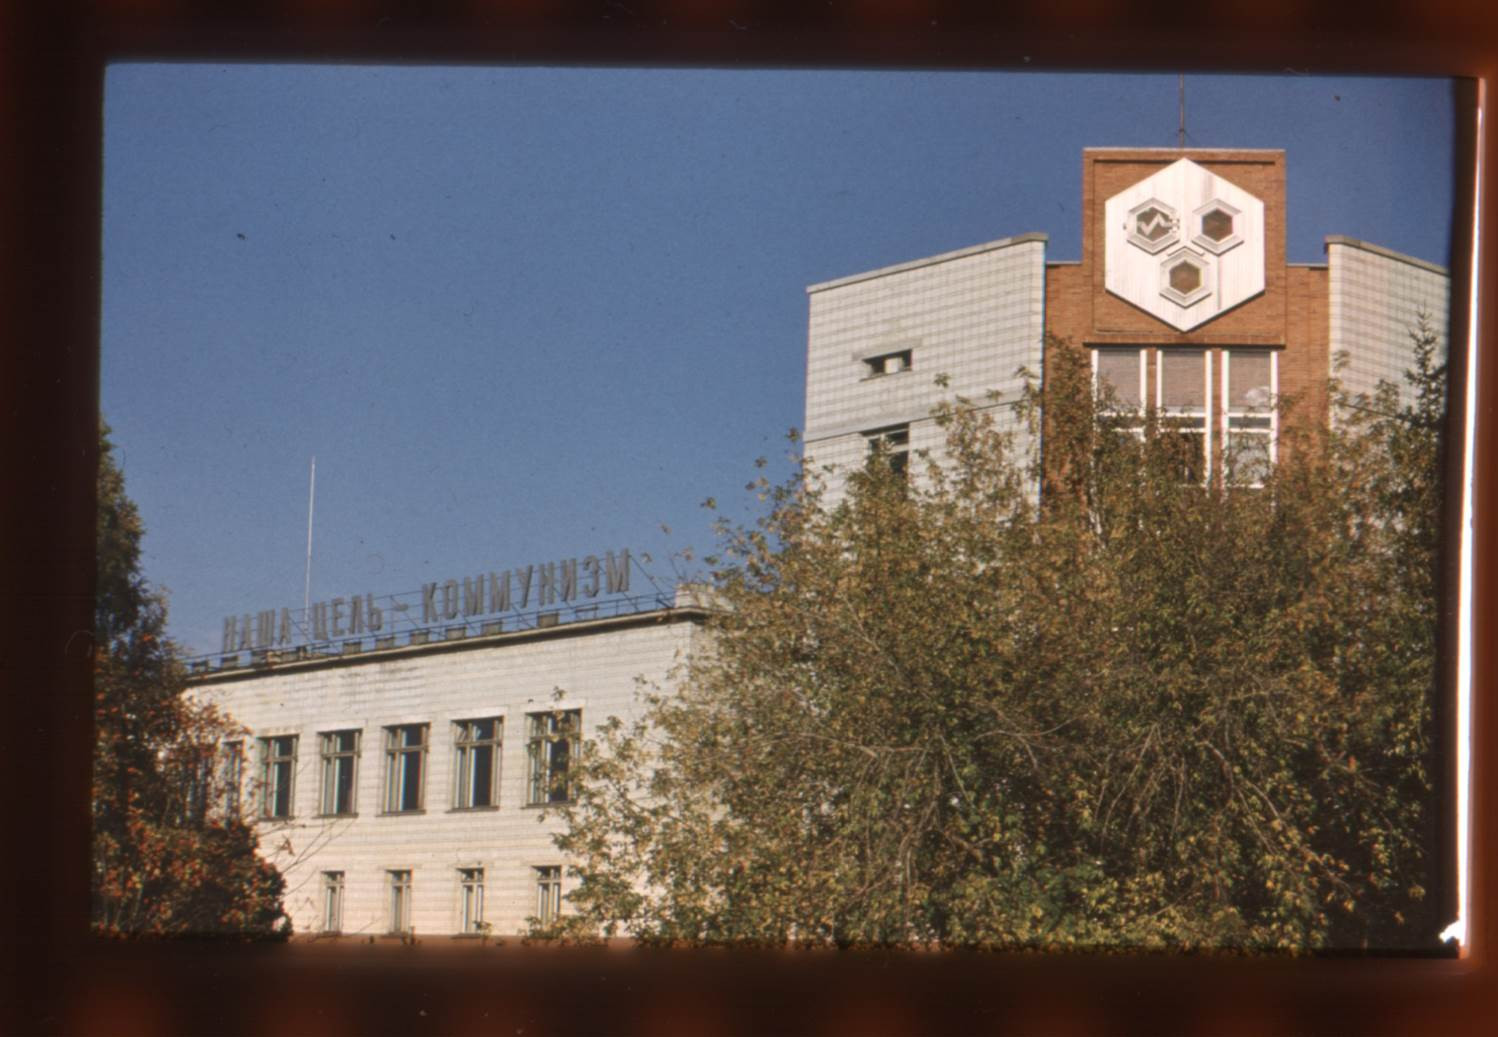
x: 1153, y: 226
x: 1184, y: 270
x: 1184, y: 277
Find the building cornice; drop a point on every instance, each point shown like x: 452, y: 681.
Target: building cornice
x: 1387, y: 253
x: 579, y: 628
x: 961, y: 253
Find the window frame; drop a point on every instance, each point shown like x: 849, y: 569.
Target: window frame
x: 471, y: 902
x: 548, y: 892
x: 1163, y: 414
x: 333, y: 885
x: 397, y: 773
x: 1271, y: 411
x: 331, y: 757
x: 398, y: 896
x: 1134, y: 428
x: 271, y: 762
x: 878, y: 365
x: 540, y: 750
x: 465, y: 750
x: 231, y: 774
x: 895, y: 439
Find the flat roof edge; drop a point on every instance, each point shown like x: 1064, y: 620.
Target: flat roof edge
x: 971, y: 250
x: 579, y: 628
x: 1387, y: 253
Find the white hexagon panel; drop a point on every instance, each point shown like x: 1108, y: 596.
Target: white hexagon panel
x: 1184, y: 245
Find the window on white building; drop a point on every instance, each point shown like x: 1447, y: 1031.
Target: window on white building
x: 471, y: 900
x: 277, y: 776
x: 894, y: 443
x: 332, y: 901
x: 548, y: 893
x: 1183, y: 378
x: 340, y: 763
x: 476, y: 762
x: 400, y: 901
x: 231, y: 774
x: 405, y: 767
x: 551, y: 738
x: 1250, y: 422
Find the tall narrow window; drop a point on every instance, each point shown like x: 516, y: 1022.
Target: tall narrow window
x: 471, y: 899
x: 405, y: 766
x: 332, y: 901
x: 476, y: 762
x: 550, y: 744
x: 231, y: 774
x: 277, y: 776
x: 340, y: 761
x: 1181, y: 380
x: 548, y: 893
x: 400, y: 901
x: 1118, y: 380
x: 894, y: 444
x: 1249, y: 418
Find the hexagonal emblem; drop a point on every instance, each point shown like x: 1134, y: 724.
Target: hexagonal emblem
x: 1185, y: 270
x: 1152, y: 225
x: 1184, y: 277
x: 1215, y: 226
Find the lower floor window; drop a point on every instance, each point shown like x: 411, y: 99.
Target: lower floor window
x: 471, y: 886
x: 400, y: 901
x: 332, y: 901
x: 548, y: 893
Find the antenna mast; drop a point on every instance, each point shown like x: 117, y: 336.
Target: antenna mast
x: 1181, y: 94
x: 311, y: 496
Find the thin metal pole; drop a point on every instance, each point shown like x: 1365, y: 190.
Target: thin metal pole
x: 1181, y: 92
x: 311, y: 496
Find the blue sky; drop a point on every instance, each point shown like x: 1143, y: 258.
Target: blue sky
x: 522, y: 314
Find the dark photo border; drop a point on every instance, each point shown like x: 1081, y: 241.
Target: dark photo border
x: 55, y: 979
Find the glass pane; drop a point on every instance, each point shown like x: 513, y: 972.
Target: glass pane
x: 1248, y: 458
x: 483, y: 776
x: 1248, y: 380
x: 410, y: 792
x: 344, y: 800
x: 282, y: 783
x: 1183, y: 379
x: 1118, y: 376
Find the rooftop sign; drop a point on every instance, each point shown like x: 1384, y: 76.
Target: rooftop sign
x: 485, y: 594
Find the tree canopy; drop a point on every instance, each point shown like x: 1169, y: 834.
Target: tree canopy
x: 1140, y: 711
x: 170, y: 854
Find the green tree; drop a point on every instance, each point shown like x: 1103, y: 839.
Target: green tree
x: 1148, y: 712
x: 170, y: 855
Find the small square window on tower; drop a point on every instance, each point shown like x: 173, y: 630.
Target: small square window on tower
x: 893, y: 443
x: 888, y: 363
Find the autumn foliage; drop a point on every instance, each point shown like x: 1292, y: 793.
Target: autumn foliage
x: 171, y: 856
x: 1136, y: 711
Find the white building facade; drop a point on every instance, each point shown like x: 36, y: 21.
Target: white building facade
x: 401, y: 790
